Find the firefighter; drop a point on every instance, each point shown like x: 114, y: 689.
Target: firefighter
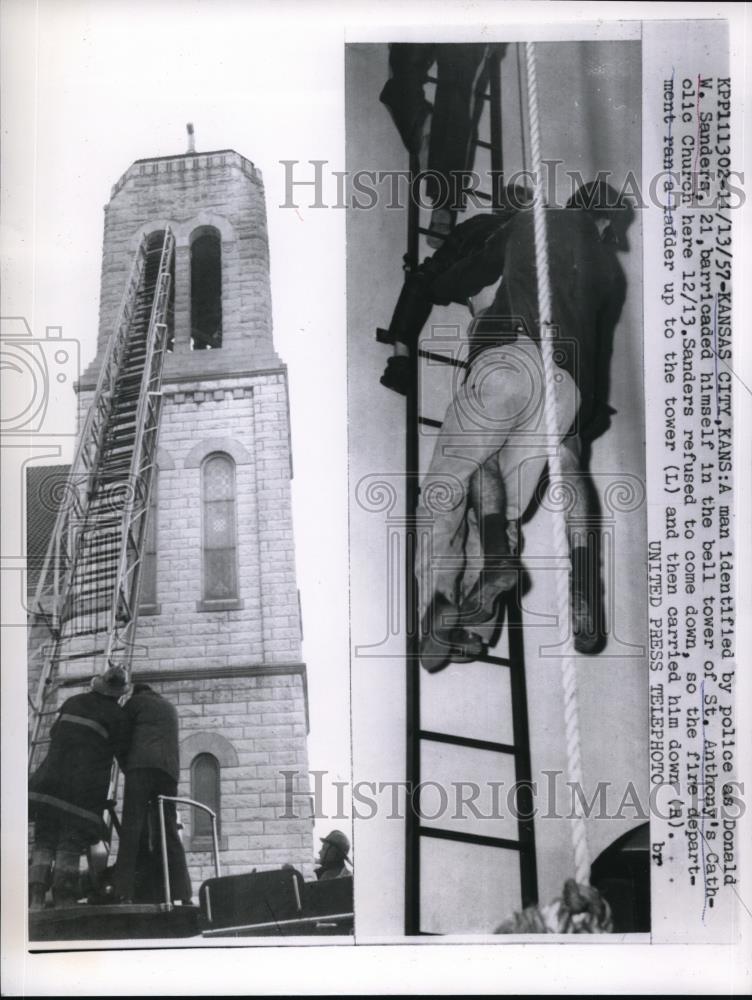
x: 151, y: 769
x: 68, y: 792
x: 333, y: 857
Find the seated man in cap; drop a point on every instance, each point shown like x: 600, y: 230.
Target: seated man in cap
x: 492, y: 447
x: 334, y: 856
x: 68, y: 792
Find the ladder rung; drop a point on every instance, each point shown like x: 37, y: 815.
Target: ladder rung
x: 499, y: 661
x: 93, y: 590
x: 69, y: 657
x: 115, y: 446
x: 104, y: 512
x: 80, y: 632
x: 483, y: 144
x: 432, y: 232
x: 102, y: 568
x: 118, y: 438
x: 428, y: 422
x: 466, y: 741
x: 103, y: 515
x: 443, y: 359
x: 473, y: 838
x: 115, y: 469
x: 103, y: 540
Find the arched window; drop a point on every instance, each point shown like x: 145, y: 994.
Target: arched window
x: 220, y: 556
x: 205, y: 789
x: 206, y: 290
x: 148, y: 597
x: 154, y: 244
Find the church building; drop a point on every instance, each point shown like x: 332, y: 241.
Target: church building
x: 219, y: 629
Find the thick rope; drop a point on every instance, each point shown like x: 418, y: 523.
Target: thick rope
x: 561, y: 545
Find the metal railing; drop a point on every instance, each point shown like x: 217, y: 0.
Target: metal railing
x: 161, y: 799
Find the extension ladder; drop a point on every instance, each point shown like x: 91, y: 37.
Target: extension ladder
x: 85, y: 608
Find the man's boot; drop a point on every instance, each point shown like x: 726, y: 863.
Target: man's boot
x: 37, y: 894
x: 66, y: 888
x: 443, y: 640
x: 585, y: 585
x: 397, y: 374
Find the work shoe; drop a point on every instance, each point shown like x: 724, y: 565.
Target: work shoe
x: 397, y: 374
x: 443, y: 640
x: 466, y: 645
x: 448, y: 645
x: 481, y: 605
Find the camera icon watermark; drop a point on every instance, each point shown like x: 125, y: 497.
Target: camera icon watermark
x: 38, y: 376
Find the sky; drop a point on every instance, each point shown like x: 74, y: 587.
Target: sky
x: 99, y: 85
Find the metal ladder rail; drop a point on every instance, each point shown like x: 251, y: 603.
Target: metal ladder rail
x: 120, y: 645
x: 124, y: 614
x: 63, y: 549
x: 520, y: 749
x: 147, y: 420
x: 89, y: 442
x: 488, y: 89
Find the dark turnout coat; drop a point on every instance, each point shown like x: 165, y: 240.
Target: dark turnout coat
x: 587, y: 294
x: 71, y: 784
x: 587, y: 291
x: 153, y: 723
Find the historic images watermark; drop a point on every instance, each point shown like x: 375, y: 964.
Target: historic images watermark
x: 551, y: 798
x: 315, y: 185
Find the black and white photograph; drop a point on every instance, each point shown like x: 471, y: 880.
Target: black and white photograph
x: 184, y: 737
x: 526, y: 646
x: 373, y: 436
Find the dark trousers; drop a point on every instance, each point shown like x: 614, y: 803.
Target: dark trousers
x: 142, y: 786
x: 457, y: 71
x: 58, y: 842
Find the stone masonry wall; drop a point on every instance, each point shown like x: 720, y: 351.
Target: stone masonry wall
x: 264, y: 718
x: 221, y: 190
x: 248, y: 421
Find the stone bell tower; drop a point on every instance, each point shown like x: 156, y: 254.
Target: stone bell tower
x: 219, y: 624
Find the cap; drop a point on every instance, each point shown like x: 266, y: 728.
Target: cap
x: 339, y: 840
x: 113, y: 683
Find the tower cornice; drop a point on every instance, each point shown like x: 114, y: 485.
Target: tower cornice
x: 184, y: 162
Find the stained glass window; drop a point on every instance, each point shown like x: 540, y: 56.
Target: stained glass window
x: 205, y: 789
x: 220, y: 562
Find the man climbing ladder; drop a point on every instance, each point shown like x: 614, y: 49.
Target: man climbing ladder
x: 492, y: 447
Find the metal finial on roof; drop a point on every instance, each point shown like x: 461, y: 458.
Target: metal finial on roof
x: 191, y: 138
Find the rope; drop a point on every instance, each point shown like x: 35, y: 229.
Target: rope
x: 561, y: 545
